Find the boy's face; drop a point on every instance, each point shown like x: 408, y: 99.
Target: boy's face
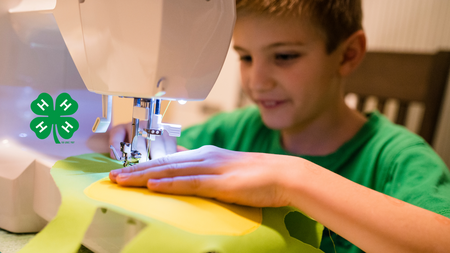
x: 286, y: 71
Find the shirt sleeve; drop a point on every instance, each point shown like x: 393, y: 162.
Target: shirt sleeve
x: 208, y: 133
x: 420, y: 177
x: 236, y: 130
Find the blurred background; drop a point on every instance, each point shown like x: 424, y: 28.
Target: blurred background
x: 398, y: 26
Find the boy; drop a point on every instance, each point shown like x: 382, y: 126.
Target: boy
x: 373, y: 183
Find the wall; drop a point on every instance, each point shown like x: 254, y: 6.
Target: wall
x: 412, y: 26
x: 407, y: 25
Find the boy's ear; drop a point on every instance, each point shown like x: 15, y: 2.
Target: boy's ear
x: 354, y: 49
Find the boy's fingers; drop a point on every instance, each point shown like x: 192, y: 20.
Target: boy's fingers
x: 140, y: 178
x: 186, y: 157
x: 132, y: 169
x: 137, y: 178
x: 112, y: 177
x: 199, y: 185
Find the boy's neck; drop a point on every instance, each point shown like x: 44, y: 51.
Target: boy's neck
x: 325, y: 134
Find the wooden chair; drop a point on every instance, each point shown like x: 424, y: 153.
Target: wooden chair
x: 406, y: 78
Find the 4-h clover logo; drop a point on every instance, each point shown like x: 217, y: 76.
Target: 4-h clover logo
x: 66, y: 126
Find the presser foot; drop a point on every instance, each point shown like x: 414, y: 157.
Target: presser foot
x: 129, y: 157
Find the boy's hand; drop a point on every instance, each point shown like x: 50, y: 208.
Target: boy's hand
x: 252, y: 179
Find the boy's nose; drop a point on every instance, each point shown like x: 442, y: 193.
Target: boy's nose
x: 260, y: 78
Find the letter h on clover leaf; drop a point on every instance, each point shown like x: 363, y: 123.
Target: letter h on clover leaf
x: 54, y: 116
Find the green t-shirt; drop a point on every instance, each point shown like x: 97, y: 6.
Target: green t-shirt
x: 382, y: 156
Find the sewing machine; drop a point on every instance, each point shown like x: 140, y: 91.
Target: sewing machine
x: 146, y: 50
x: 149, y: 51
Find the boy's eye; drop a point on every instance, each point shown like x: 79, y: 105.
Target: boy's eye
x: 245, y: 58
x: 286, y: 57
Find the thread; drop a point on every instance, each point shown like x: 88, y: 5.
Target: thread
x: 334, y: 246
x: 167, y: 107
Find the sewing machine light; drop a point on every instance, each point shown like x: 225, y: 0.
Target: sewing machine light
x: 182, y: 102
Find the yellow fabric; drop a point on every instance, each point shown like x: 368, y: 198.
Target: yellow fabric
x: 206, y: 216
x: 264, y: 230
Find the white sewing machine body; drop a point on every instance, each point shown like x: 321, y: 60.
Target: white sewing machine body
x: 142, y: 49
x: 138, y: 48
x: 149, y: 51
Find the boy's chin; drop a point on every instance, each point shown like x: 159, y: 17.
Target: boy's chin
x: 276, y: 119
x: 274, y: 123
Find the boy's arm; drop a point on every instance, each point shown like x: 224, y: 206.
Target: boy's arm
x: 371, y: 220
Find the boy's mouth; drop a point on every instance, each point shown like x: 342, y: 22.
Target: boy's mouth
x: 270, y: 104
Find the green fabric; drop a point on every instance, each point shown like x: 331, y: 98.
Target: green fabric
x: 283, y: 229
x: 382, y: 156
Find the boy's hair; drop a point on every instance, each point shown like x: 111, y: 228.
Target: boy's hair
x: 336, y: 19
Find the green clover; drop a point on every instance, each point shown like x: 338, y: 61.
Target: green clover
x: 65, y: 126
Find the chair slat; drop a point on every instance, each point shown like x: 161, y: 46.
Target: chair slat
x: 407, y: 77
x: 402, y: 112
x: 361, y: 103
x: 381, y: 104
